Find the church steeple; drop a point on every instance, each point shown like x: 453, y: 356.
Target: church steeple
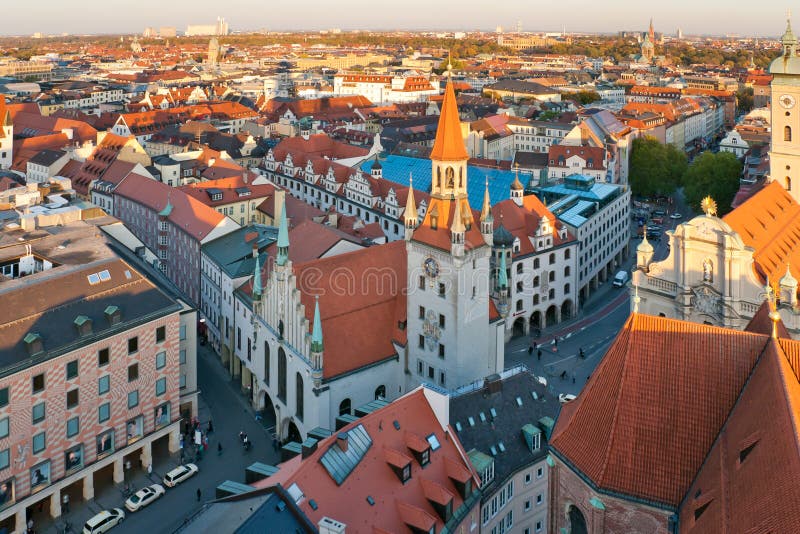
x: 258, y: 288
x: 449, y: 155
x: 788, y: 40
x: 487, y: 220
x: 316, y: 346
x: 410, y: 215
x: 283, y: 238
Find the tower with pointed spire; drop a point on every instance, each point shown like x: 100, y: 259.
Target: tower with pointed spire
x: 644, y: 253
x: 6, y: 135
x: 283, y: 239
x: 517, y: 189
x: 449, y: 266
x: 316, y: 346
x: 487, y: 219
x: 784, y: 156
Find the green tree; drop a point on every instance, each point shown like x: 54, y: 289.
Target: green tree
x: 714, y: 175
x: 744, y: 99
x: 586, y: 97
x: 655, y: 169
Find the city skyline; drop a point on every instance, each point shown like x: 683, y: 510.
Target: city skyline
x: 575, y: 16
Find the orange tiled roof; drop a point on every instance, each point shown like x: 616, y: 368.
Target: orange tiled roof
x: 748, y: 482
x: 651, y: 411
x: 449, y: 145
x: 769, y: 221
x: 397, y: 505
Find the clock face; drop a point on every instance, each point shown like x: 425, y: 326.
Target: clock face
x: 787, y: 101
x: 431, y: 267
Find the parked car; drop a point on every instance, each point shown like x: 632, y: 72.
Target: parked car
x: 564, y: 398
x: 659, y: 213
x: 676, y: 216
x: 179, y: 474
x: 144, y: 496
x: 657, y: 220
x: 104, y: 521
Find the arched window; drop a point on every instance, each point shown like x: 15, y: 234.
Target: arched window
x: 519, y: 305
x: 788, y: 184
x: 566, y: 270
x: 519, y: 268
x: 552, y: 276
x: 535, y: 300
x: 380, y: 392
x: 552, y: 259
x: 344, y: 407
x: 787, y: 133
x: 536, y: 281
x: 552, y: 294
x: 298, y: 396
x: 536, y: 263
x: 266, y: 363
x: 439, y: 177
x: 282, y: 375
x: 450, y: 177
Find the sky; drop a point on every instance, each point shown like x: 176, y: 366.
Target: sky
x: 716, y: 17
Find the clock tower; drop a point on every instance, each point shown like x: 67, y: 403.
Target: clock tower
x: 453, y: 336
x: 785, y: 95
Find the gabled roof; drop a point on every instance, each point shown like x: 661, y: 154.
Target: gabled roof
x: 769, y: 221
x: 652, y: 409
x: 394, y: 505
x: 748, y: 482
x: 449, y: 144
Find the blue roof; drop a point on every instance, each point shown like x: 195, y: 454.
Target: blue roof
x: 397, y: 169
x: 598, y: 191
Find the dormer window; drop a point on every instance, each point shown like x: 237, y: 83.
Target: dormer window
x: 33, y: 343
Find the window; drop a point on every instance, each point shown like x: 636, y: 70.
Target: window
x: 441, y: 378
x: 527, y: 478
x: 133, y: 399
x: 161, y: 415
x: 299, y: 408
x: 422, y: 312
x: 39, y: 442
x: 552, y: 259
x: 103, y: 357
x: 538, y: 526
x: 566, y: 254
x: 420, y: 367
x: 536, y: 263
x: 519, y: 268
x: 73, y: 426
x: 38, y: 383
x: 510, y: 519
x: 161, y: 334
x: 105, y: 443
x: 72, y: 369
x: 527, y: 505
x: 182, y: 383
x: 421, y: 343
x: 161, y: 360
x: 282, y: 375
x: 3, y: 397
x: 441, y: 289
x: 4, y: 427
x: 787, y: 133
x: 552, y: 276
x: 133, y: 372
x: 539, y: 499
x: 40, y: 475
x: 133, y: 345
x: 183, y: 332
x: 183, y: 356
x: 161, y: 386
x: 344, y: 407
x: 441, y: 321
x: 103, y: 412
x: 380, y: 392
x: 135, y: 429
x: 73, y: 458
x: 103, y: 384
x: 422, y: 282
x: 5, y: 458
x: 239, y: 338
x: 441, y: 350
x: 430, y: 372
x: 540, y: 472
x: 72, y: 398
x: 38, y: 412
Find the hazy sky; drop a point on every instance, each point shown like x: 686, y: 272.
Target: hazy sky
x: 132, y: 16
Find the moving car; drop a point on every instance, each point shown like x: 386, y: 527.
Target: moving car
x: 564, y: 398
x: 104, y: 521
x: 676, y: 216
x: 179, y: 474
x: 620, y: 279
x: 144, y: 496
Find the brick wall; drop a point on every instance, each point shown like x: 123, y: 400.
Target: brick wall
x: 619, y: 517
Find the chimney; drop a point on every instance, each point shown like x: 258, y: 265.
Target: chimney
x: 493, y: 384
x: 309, y: 447
x: 327, y: 525
x: 341, y: 441
x: 255, y: 249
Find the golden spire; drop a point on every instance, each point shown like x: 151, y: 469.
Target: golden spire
x: 516, y: 185
x: 486, y: 211
x: 410, y: 215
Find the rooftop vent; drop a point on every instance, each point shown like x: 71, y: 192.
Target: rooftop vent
x: 33, y: 343
x: 309, y: 447
x: 83, y: 324
x: 493, y: 384
x: 113, y: 315
x: 341, y: 441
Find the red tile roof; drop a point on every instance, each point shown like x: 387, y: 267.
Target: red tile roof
x: 361, y: 313
x: 397, y: 505
x: 769, y: 221
x: 587, y: 153
x: 523, y: 222
x: 318, y: 145
x: 652, y: 409
x: 310, y: 241
x: 191, y: 216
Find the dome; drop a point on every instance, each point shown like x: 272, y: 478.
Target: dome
x: 785, y: 65
x: 503, y: 237
x: 644, y: 247
x: 376, y: 165
x: 516, y: 185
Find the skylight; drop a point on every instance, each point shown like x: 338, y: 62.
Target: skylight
x: 458, y: 426
x: 483, y: 417
x: 471, y: 421
x: 493, y: 412
x: 519, y: 401
x: 93, y: 278
x: 494, y: 451
x: 433, y: 441
x: 105, y: 276
x: 501, y: 446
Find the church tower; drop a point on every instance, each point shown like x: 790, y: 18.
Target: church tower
x: 452, y: 340
x: 6, y: 135
x: 784, y: 154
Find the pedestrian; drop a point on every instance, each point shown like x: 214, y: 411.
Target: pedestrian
x: 199, y: 494
x: 530, y: 351
x: 274, y: 443
x: 241, y: 436
x: 555, y: 340
x: 573, y: 378
x: 209, y: 427
x: 581, y: 354
x: 535, y: 345
x: 539, y: 355
x: 30, y: 526
x: 149, y: 469
x: 219, y: 449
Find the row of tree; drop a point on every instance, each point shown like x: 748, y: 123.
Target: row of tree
x: 660, y: 169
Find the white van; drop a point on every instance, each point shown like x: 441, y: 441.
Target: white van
x: 621, y: 278
x: 104, y: 521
